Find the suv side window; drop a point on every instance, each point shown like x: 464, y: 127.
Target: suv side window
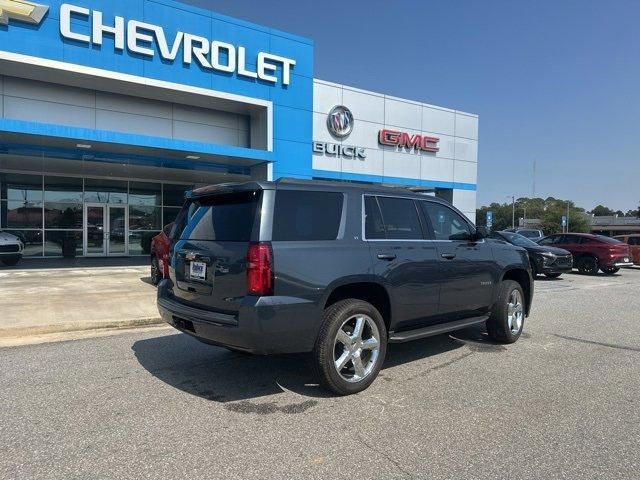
x: 446, y: 224
x: 397, y: 216
x: 307, y: 216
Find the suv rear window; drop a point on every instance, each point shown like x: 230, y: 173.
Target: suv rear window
x: 224, y: 218
x: 307, y: 216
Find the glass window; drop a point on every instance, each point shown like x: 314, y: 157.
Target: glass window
x: 145, y: 218
x: 58, y: 244
x: 400, y: 217
x: 228, y: 217
x: 16, y: 214
x: 173, y: 195
x: 305, y: 216
x: 373, y: 226
x: 105, y: 191
x: 62, y: 215
x: 140, y: 242
x: 25, y: 188
x: 62, y: 190
x: 609, y: 240
x: 169, y: 214
x: 634, y: 241
x: 550, y: 240
x: 32, y: 240
x: 141, y: 193
x: 446, y: 224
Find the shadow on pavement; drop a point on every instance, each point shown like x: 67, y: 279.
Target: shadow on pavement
x: 82, y: 262
x: 220, y: 375
x: 147, y: 280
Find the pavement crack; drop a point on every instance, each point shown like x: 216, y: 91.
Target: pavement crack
x: 386, y: 456
x: 602, y: 344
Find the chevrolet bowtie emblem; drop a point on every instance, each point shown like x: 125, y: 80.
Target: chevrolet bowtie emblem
x: 21, y: 11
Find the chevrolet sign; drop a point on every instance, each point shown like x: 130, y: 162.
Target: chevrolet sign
x: 21, y: 11
x: 140, y: 38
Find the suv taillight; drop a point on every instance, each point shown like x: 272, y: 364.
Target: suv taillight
x: 259, y: 269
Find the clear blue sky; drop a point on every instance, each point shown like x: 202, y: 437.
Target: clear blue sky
x: 552, y: 80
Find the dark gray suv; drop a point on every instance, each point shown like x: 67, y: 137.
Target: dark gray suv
x: 336, y: 269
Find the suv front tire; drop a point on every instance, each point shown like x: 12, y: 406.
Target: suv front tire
x: 351, y: 346
x: 507, y: 316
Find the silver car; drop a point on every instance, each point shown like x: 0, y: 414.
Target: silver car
x: 11, y: 249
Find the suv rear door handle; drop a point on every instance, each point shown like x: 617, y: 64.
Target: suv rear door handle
x: 386, y: 256
x: 448, y: 256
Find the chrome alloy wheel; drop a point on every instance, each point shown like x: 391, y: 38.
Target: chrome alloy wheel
x: 356, y: 348
x: 515, y: 312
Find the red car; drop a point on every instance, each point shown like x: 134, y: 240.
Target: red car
x: 592, y: 252
x: 633, y: 241
x: 160, y: 245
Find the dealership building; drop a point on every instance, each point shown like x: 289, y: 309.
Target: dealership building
x: 109, y: 111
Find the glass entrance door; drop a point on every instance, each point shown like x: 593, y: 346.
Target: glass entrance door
x: 117, y: 234
x: 105, y: 230
x: 94, y: 231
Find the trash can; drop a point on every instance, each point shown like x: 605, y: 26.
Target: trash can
x: 69, y: 245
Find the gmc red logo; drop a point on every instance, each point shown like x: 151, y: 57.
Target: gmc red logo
x: 402, y: 139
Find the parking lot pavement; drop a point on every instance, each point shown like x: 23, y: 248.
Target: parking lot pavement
x: 43, y: 300
x: 563, y: 402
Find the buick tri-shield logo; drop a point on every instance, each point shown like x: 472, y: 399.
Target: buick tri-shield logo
x: 21, y: 11
x: 340, y: 121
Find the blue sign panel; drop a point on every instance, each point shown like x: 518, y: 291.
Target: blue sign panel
x: 172, y: 42
x: 489, y: 219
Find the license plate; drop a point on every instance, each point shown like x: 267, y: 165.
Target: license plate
x: 198, y: 270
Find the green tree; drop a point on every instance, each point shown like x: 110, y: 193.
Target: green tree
x: 549, y: 211
x: 602, y: 211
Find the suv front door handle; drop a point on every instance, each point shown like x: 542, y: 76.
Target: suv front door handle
x: 386, y: 256
x: 448, y: 256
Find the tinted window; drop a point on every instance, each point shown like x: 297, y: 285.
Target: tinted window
x: 304, y: 216
x: 634, y: 241
x: 225, y: 218
x: 609, y: 240
x: 518, y: 239
x: 549, y: 240
x: 373, y: 227
x: 447, y: 224
x: 400, y: 219
x: 529, y: 233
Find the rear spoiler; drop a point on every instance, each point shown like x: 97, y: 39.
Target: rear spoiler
x: 223, y: 188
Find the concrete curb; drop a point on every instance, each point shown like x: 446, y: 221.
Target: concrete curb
x: 20, y: 332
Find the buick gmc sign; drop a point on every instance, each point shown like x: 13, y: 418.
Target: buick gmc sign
x: 416, y: 142
x: 141, y: 38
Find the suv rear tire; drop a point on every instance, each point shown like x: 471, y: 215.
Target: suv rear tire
x: 351, y: 346
x: 507, y: 315
x: 587, y: 265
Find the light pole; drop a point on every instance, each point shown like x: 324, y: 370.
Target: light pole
x: 513, y: 210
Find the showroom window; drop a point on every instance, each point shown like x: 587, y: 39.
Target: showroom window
x: 21, y: 210
x: 63, y: 198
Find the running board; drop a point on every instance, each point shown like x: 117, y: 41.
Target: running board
x: 400, y: 337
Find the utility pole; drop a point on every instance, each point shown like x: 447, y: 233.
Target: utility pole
x: 567, y: 216
x: 513, y: 210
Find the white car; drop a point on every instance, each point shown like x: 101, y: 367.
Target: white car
x: 10, y: 249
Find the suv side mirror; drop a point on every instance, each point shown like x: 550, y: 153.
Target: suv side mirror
x: 481, y: 232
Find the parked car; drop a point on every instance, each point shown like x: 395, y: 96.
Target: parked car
x: 530, y: 233
x: 160, y: 245
x: 592, y: 252
x: 11, y: 248
x: 336, y: 269
x: 633, y: 240
x: 550, y: 261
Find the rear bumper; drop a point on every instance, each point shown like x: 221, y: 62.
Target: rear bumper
x: 263, y: 325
